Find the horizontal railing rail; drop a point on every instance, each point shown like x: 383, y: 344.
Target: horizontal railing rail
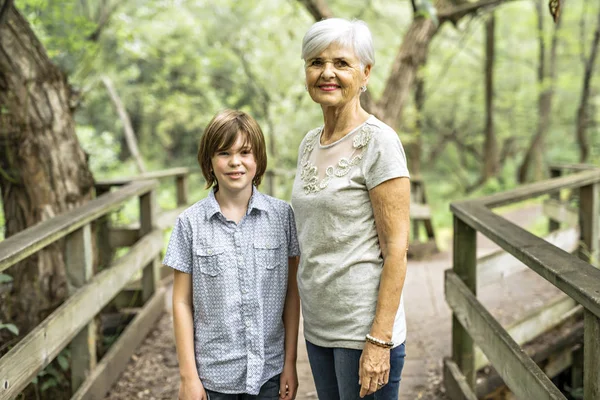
x: 15, y: 248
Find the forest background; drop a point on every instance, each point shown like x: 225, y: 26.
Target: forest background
x: 484, y: 94
x: 175, y: 63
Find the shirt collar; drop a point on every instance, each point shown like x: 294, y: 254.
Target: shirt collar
x: 257, y: 201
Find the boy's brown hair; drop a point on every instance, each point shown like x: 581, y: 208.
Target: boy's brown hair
x: 221, y: 133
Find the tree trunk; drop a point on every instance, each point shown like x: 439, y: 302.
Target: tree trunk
x: 490, y: 147
x: 546, y: 79
x: 44, y: 170
x: 582, y: 111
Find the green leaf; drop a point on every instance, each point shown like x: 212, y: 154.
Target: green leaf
x: 63, y: 362
x: 4, y: 278
x: 10, y: 327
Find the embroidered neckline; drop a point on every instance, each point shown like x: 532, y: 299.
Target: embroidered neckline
x: 310, y: 172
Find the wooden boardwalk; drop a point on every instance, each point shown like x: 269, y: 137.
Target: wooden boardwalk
x: 429, y: 327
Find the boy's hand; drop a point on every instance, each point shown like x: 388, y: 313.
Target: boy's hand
x: 288, y: 382
x: 192, y: 389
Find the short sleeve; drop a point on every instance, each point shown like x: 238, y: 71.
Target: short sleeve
x: 179, y: 250
x: 384, y: 158
x: 293, y: 246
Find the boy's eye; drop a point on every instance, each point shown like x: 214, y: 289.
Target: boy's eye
x: 246, y: 151
x: 223, y: 153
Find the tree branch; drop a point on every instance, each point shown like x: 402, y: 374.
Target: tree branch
x: 4, y: 10
x: 317, y: 8
x: 456, y: 13
x: 102, y: 22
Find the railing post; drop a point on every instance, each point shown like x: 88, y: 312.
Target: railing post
x: 415, y: 196
x: 589, y: 232
x: 102, y: 232
x: 79, y: 268
x: 465, y: 266
x: 151, y: 271
x: 270, y: 178
x: 591, y: 348
x: 182, y: 191
x: 555, y: 172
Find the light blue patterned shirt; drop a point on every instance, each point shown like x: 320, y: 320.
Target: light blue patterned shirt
x: 239, y: 278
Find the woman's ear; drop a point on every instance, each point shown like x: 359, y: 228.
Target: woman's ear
x: 367, y: 72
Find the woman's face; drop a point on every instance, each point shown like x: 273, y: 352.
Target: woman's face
x: 334, y: 77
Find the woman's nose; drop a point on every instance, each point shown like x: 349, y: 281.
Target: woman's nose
x: 328, y: 70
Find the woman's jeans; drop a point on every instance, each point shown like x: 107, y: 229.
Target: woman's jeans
x: 268, y: 391
x: 335, y: 372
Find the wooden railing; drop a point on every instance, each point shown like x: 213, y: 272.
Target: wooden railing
x: 473, y: 325
x: 73, y: 323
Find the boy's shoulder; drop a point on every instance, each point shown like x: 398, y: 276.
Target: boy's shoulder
x: 274, y: 203
x: 198, y: 209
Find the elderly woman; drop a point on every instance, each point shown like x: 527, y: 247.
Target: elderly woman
x: 351, y: 201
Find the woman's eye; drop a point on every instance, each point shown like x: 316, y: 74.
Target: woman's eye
x: 316, y: 62
x: 341, y: 64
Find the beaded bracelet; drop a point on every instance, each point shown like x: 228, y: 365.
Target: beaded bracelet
x: 379, y: 342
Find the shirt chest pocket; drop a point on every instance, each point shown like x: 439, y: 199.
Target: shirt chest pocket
x: 269, y: 253
x: 210, y: 260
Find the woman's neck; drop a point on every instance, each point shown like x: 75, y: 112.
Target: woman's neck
x: 339, y: 121
x: 233, y: 204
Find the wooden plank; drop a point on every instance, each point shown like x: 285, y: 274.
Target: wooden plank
x: 21, y: 364
x: 166, y: 173
x: 572, y: 167
x: 538, y: 189
x: 465, y: 267
x: 116, y: 359
x: 150, y: 273
x: 521, y: 374
x: 123, y: 237
x: 589, y: 212
x: 181, y: 189
x: 30, y: 240
x: 591, y: 356
x: 534, y: 324
x: 501, y: 264
x: 560, y: 212
x: 455, y: 383
x: 558, y: 362
x: 79, y: 267
x: 573, y: 276
x: 166, y: 219
x: 419, y: 211
x: 552, y: 223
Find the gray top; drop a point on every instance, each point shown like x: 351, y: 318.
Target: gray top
x: 341, y: 260
x: 239, y: 278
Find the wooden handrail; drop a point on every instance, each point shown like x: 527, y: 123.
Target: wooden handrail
x: 167, y: 173
x: 32, y: 239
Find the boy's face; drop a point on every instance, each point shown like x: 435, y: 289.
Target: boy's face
x: 235, y: 167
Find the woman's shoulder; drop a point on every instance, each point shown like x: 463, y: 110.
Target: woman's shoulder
x: 380, y: 129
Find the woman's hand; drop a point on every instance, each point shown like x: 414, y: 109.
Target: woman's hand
x: 374, y: 368
x: 288, y: 382
x: 192, y: 389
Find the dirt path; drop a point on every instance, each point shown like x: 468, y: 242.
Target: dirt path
x: 152, y: 373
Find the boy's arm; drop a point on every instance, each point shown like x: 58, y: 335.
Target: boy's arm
x: 291, y: 321
x: 183, y: 324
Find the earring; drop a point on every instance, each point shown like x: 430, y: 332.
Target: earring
x: 363, y: 89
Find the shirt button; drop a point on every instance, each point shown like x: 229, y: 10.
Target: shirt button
x: 244, y: 290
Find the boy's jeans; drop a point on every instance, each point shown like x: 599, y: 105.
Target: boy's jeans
x: 268, y: 391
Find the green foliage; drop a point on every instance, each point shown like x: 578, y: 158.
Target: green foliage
x: 12, y: 328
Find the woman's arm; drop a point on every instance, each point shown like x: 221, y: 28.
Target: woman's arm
x: 391, y: 204
x: 190, y: 387
x: 291, y: 319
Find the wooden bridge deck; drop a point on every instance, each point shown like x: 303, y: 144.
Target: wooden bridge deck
x: 153, y: 373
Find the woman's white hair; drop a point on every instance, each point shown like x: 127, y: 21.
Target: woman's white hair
x: 353, y: 34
